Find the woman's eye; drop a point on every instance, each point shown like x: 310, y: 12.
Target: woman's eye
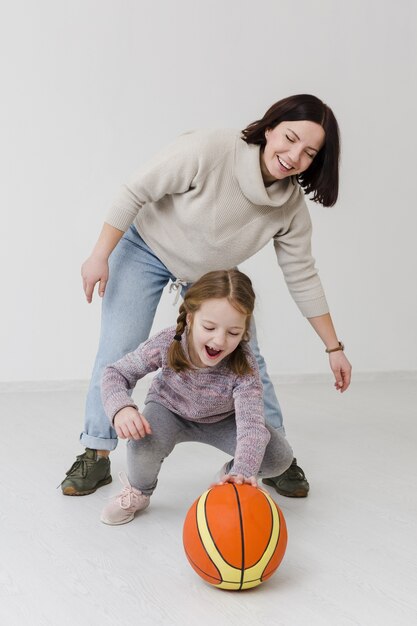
x: 205, y: 328
x: 310, y: 155
x: 234, y: 334
x: 290, y: 139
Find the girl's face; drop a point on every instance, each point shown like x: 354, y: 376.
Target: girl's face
x: 290, y: 149
x: 216, y: 329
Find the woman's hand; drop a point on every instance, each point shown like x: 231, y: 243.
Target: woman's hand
x: 130, y: 424
x: 341, y: 369
x: 94, y: 270
x: 339, y: 364
x: 239, y: 479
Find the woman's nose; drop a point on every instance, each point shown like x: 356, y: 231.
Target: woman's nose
x: 294, y: 154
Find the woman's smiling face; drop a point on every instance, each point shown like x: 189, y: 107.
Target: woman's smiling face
x: 290, y: 149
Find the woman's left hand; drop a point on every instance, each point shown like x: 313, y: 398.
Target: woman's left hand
x: 341, y: 369
x: 239, y: 479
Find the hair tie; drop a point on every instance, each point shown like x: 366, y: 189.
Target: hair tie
x: 177, y: 337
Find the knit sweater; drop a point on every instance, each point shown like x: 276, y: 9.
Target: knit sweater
x: 201, y: 205
x: 205, y: 395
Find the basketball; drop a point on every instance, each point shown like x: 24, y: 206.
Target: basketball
x: 234, y: 536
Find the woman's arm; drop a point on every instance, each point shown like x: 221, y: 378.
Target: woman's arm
x: 339, y: 364
x: 96, y: 268
x: 171, y: 171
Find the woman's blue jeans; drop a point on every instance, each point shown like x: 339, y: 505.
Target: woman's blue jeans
x: 137, y: 279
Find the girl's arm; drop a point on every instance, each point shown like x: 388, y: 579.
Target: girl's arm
x: 96, y: 268
x: 252, y: 436
x: 117, y: 385
x: 339, y: 364
x: 119, y: 380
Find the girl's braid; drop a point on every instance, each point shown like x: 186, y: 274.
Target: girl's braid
x: 181, y: 323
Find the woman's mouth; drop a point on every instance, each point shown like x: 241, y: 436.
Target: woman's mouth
x: 212, y: 353
x: 283, y: 165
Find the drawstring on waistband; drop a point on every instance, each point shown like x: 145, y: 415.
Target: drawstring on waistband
x: 176, y: 286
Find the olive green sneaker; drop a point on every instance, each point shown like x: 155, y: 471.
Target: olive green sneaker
x: 292, y: 483
x: 88, y: 473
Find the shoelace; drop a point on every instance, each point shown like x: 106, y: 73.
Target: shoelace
x: 82, y: 463
x: 175, y: 286
x: 127, y: 497
x: 79, y: 463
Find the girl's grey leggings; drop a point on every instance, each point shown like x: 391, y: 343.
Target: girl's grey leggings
x: 145, y: 456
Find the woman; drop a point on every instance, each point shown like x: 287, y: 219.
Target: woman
x: 209, y: 201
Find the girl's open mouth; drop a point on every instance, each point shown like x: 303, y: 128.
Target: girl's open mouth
x: 212, y: 353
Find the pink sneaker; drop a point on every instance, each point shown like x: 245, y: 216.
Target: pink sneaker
x: 123, y: 507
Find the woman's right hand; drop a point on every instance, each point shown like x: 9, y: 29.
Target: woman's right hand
x: 94, y: 270
x: 130, y: 424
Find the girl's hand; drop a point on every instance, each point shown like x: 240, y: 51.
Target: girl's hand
x: 239, y: 479
x: 94, y: 270
x: 341, y: 369
x: 130, y: 424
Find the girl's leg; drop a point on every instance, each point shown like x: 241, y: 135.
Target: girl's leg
x: 144, y: 460
x: 222, y: 435
x: 145, y: 456
x: 278, y: 455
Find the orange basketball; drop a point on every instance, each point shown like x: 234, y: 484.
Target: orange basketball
x: 234, y: 536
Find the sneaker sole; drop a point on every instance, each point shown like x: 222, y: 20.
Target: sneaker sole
x: 125, y: 521
x: 298, y: 493
x: 109, y: 523
x: 71, y: 491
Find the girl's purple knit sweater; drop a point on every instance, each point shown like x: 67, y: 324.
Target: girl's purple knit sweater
x: 206, y: 395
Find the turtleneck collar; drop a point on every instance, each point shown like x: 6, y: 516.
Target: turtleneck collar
x: 249, y: 177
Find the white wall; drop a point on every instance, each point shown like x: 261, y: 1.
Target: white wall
x: 91, y: 88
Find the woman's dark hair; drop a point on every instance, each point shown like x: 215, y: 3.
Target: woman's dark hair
x: 322, y: 176
x: 230, y: 284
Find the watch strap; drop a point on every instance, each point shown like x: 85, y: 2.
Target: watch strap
x: 339, y: 347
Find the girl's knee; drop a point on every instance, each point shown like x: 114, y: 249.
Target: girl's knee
x: 149, y: 447
x: 286, y: 459
x: 278, y: 456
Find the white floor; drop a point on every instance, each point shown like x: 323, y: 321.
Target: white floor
x: 352, y: 550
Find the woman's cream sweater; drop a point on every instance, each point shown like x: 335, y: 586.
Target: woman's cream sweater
x: 201, y: 204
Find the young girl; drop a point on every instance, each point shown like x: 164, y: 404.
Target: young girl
x: 208, y: 389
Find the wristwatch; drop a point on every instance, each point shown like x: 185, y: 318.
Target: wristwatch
x: 339, y: 347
